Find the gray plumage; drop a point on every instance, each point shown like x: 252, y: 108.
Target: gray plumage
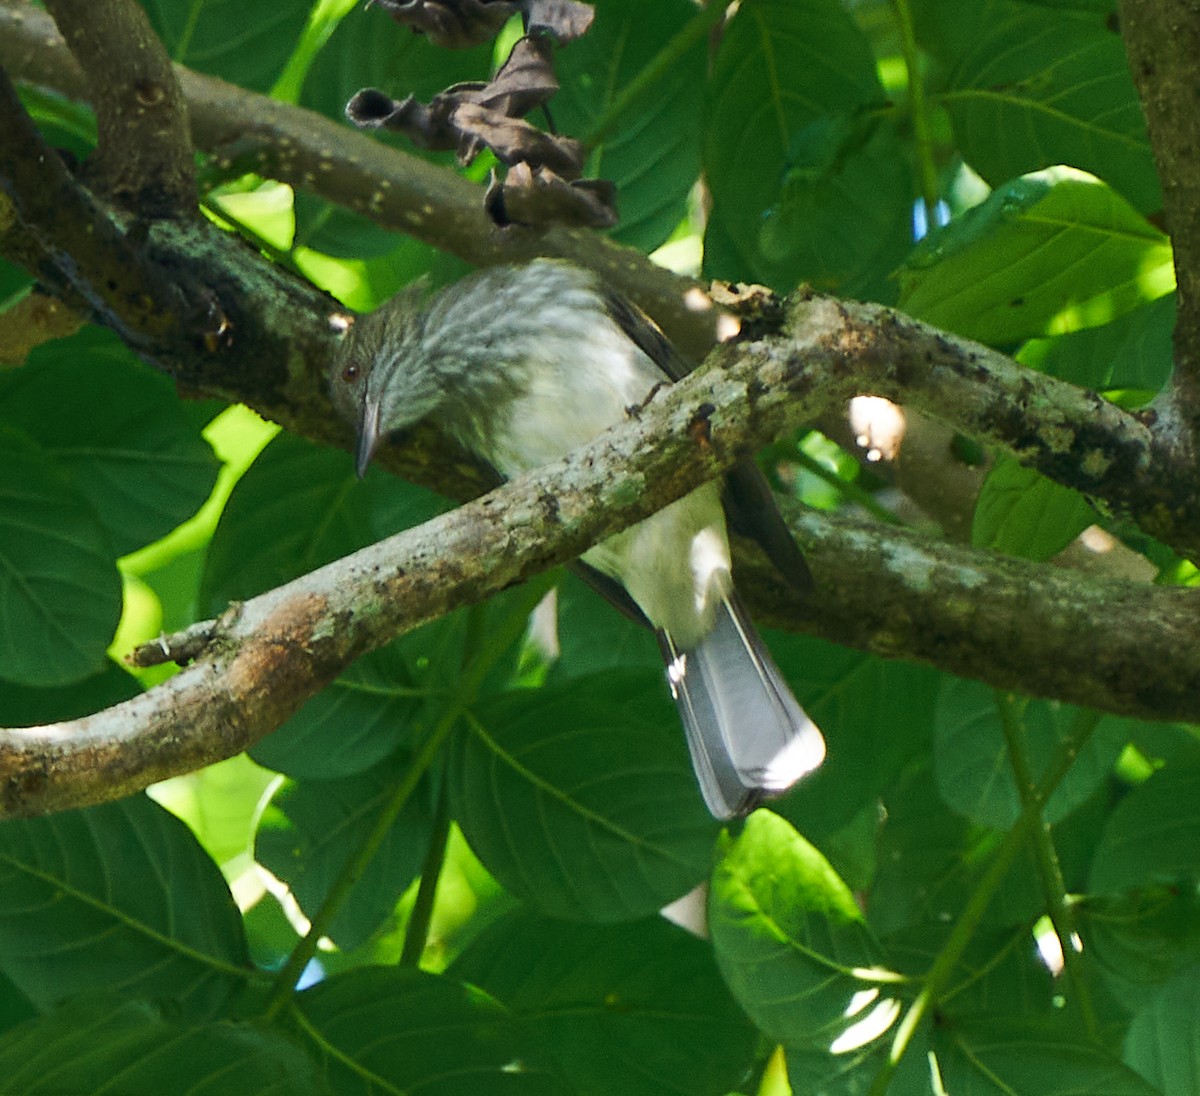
x: 523, y: 364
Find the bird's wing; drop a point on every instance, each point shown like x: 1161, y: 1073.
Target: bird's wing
x: 749, y: 502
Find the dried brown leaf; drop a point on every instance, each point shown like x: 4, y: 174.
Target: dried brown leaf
x: 540, y: 197
x: 453, y: 24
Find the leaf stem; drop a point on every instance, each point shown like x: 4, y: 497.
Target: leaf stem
x: 972, y: 914
x: 688, y: 35
x: 1049, y: 869
x: 919, y: 107
x: 510, y: 629
x: 416, y: 933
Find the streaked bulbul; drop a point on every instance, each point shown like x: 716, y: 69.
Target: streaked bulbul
x: 522, y: 364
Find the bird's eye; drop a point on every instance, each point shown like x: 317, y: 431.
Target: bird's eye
x: 350, y: 373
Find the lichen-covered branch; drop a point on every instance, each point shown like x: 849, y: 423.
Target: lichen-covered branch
x: 882, y: 590
x: 143, y: 160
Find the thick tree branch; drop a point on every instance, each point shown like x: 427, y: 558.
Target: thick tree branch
x: 1162, y: 38
x: 67, y: 239
x: 886, y: 591
x: 143, y: 160
x: 396, y: 190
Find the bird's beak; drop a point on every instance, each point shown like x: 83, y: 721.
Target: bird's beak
x: 368, y: 436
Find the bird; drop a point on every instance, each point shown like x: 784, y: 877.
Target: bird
x: 520, y: 364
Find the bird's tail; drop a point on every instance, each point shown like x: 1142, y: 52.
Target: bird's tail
x: 750, y: 740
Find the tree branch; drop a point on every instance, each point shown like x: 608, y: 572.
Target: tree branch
x: 144, y: 157
x: 396, y: 190
x: 1162, y: 39
x: 881, y: 589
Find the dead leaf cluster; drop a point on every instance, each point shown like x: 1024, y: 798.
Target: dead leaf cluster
x: 542, y: 183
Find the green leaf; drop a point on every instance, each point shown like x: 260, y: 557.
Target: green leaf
x: 1022, y: 513
x: 59, y: 586
x: 104, y: 1043
x: 357, y: 722
x: 29, y: 706
x: 789, y: 938
x: 221, y: 38
x: 1153, y: 836
x: 974, y: 772
x: 1035, y: 87
x: 1163, y: 1042
x: 800, y: 162
x: 923, y: 851
x: 1133, y: 352
x: 1046, y: 253
x: 402, y: 1030
x: 117, y: 895
x: 1028, y: 1057
x: 310, y: 830
x: 876, y: 715
x: 653, y: 150
x: 118, y: 427
x: 594, y: 637
x: 636, y: 1009
x: 339, y: 232
x: 580, y: 798
x: 1139, y: 939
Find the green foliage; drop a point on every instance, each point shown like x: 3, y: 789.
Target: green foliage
x: 889, y: 906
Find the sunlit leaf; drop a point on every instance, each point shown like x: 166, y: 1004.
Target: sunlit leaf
x: 1047, y: 253
x: 789, y: 937
x: 1035, y: 87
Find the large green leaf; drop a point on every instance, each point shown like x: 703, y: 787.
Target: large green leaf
x: 636, y: 1009
x: 104, y: 1043
x: 594, y: 637
x: 1035, y: 87
x: 1163, y: 1042
x: 29, y: 706
x: 357, y: 722
x: 1006, y: 1056
x: 1133, y: 352
x: 799, y: 159
x: 580, y: 799
x: 1138, y: 940
x: 1153, y: 835
x: 1022, y: 513
x: 1047, y: 253
x: 310, y: 830
x: 974, y: 771
x: 789, y: 938
x: 119, y: 895
x: 223, y: 38
x: 118, y: 427
x: 653, y: 151
x: 402, y: 1030
x: 876, y: 716
x: 59, y: 586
